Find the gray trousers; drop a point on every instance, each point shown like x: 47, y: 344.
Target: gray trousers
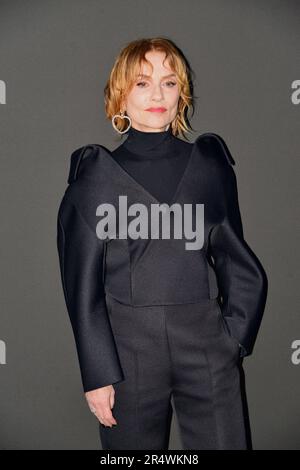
x: 180, y: 351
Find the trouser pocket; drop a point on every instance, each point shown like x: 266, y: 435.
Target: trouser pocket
x: 227, y: 335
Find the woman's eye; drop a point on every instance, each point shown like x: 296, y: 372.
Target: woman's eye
x: 168, y: 83
x: 172, y: 83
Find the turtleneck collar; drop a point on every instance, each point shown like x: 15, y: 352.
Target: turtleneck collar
x: 149, y: 145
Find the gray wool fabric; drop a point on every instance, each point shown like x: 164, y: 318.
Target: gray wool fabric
x: 149, y: 316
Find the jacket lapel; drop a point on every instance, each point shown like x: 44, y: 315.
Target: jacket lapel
x: 132, y: 182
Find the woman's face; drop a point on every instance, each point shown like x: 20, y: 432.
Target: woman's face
x: 153, y: 100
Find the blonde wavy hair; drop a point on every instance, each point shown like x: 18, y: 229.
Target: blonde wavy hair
x: 128, y: 65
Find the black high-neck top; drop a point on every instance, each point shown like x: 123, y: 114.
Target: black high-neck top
x: 156, y: 160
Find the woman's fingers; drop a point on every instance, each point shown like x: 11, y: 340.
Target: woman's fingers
x: 100, y: 402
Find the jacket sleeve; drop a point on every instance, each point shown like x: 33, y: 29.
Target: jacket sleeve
x: 81, y: 265
x: 241, y: 278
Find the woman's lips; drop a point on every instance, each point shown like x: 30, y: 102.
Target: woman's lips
x: 156, y: 110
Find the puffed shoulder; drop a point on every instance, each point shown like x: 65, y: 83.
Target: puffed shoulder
x: 80, y: 158
x: 85, y: 159
x: 215, y: 146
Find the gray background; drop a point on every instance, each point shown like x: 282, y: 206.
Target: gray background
x: 55, y: 57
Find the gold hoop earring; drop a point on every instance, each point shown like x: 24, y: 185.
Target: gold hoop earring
x: 122, y: 116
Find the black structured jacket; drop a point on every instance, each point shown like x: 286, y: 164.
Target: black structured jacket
x: 144, y: 272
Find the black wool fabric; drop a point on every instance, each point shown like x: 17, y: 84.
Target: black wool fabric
x: 156, y: 160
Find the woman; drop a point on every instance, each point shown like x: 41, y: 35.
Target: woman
x: 159, y: 316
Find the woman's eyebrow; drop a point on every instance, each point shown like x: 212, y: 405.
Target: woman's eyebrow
x: 149, y: 76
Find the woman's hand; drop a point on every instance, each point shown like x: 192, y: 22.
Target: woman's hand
x: 100, y: 402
